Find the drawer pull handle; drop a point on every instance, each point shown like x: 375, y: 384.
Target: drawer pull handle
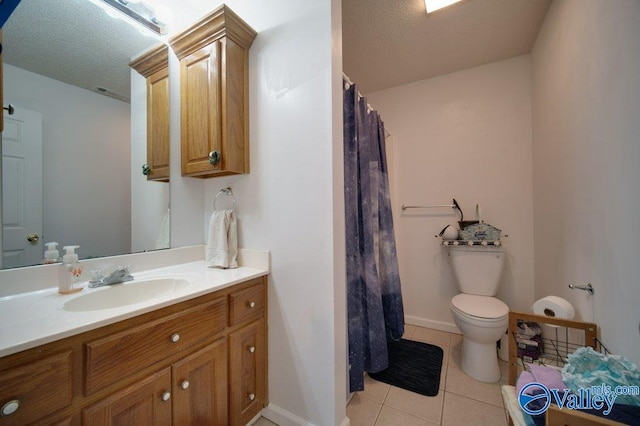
x: 251, y: 396
x: 10, y: 407
x: 251, y: 304
x: 185, y: 385
x: 166, y: 396
x: 252, y: 349
x: 175, y: 337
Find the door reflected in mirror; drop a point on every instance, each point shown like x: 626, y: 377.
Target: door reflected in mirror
x: 71, y: 165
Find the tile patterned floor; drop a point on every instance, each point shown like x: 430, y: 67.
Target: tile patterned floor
x: 461, y: 400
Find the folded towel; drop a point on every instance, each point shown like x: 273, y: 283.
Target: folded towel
x: 550, y: 377
x: 524, y: 379
x: 164, y: 236
x: 221, y: 250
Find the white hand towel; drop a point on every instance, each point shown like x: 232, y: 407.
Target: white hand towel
x: 232, y: 240
x: 221, y: 250
x: 164, y: 236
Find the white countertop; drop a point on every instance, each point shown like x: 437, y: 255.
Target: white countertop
x: 34, y: 318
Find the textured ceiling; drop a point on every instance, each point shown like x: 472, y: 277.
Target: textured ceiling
x: 385, y: 43
x: 73, y: 41
x: 390, y: 43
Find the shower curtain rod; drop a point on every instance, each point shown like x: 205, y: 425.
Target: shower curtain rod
x: 387, y: 134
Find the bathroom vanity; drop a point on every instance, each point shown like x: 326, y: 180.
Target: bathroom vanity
x: 200, y: 360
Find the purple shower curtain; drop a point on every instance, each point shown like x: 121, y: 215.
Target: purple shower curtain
x: 374, y: 299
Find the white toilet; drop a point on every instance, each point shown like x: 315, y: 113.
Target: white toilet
x: 481, y: 318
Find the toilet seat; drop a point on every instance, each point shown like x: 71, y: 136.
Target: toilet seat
x: 480, y: 307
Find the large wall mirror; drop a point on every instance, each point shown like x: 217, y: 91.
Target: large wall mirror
x: 71, y: 160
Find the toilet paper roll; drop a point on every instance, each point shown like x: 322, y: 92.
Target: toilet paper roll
x: 554, y: 306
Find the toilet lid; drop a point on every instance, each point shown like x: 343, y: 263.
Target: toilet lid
x: 480, y: 306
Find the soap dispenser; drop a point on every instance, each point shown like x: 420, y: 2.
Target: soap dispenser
x: 71, y: 272
x: 51, y: 255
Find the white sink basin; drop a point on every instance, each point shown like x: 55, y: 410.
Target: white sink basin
x: 129, y: 293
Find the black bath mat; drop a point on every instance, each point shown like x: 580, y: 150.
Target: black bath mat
x: 414, y: 366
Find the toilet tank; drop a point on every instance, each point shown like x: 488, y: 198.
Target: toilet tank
x: 477, y: 269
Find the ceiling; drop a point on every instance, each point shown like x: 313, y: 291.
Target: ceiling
x: 385, y: 43
x: 74, y: 41
x: 390, y: 43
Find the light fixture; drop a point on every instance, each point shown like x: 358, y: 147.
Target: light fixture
x: 139, y: 12
x: 433, y: 5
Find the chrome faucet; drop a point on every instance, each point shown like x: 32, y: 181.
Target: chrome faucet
x: 120, y: 275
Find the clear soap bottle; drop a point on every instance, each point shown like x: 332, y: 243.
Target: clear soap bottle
x: 70, y: 272
x: 51, y: 255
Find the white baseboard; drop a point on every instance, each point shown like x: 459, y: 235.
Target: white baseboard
x: 255, y: 418
x: 436, y: 325
x: 282, y: 417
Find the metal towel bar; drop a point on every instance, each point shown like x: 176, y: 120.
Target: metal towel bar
x: 405, y: 207
x: 455, y: 205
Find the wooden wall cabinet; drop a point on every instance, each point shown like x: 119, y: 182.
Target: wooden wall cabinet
x: 202, y: 361
x: 214, y: 94
x: 154, y: 66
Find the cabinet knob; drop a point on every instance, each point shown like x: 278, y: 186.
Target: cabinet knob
x: 146, y: 169
x: 251, y: 304
x: 10, y: 407
x: 214, y: 157
x: 175, y: 337
x: 252, y: 349
x: 251, y: 396
x: 166, y: 396
x: 185, y: 385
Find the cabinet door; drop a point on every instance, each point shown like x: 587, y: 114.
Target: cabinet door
x: 247, y: 375
x: 200, y: 387
x: 147, y: 402
x: 200, y: 109
x: 158, y: 125
x: 34, y: 390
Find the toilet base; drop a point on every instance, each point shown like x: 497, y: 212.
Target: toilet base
x: 480, y: 360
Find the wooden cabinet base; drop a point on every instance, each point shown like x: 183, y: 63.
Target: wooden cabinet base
x: 189, y: 363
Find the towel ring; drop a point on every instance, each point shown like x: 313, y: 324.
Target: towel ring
x: 228, y: 193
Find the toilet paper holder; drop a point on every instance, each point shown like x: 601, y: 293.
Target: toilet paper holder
x: 588, y: 288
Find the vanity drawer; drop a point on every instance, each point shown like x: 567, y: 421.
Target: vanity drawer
x: 36, y: 389
x: 247, y: 304
x: 113, y: 357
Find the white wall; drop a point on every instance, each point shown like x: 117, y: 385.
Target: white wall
x: 291, y: 202
x: 465, y: 135
x: 586, y: 98
x: 84, y: 202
